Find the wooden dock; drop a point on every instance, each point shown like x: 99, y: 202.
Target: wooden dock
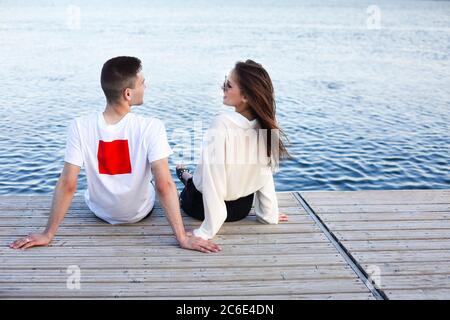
x: 336, y: 245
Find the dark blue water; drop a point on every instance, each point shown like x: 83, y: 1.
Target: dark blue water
x: 364, y: 108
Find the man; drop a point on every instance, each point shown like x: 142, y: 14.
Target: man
x: 121, y: 152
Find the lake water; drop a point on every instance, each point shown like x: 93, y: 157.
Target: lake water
x: 363, y: 96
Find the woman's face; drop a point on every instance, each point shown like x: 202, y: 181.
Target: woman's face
x: 231, y: 92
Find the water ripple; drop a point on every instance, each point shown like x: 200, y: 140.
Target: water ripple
x: 362, y: 109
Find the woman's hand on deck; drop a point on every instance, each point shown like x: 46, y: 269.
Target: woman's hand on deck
x: 282, y: 217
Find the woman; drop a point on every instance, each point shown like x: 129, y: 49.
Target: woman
x: 240, y: 150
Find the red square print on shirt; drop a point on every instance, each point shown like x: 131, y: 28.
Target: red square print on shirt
x: 113, y: 157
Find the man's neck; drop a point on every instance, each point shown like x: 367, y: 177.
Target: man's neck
x: 115, y: 112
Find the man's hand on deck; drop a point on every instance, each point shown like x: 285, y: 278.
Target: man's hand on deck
x: 32, y: 240
x: 195, y: 243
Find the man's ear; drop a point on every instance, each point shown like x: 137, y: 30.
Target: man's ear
x: 127, y: 94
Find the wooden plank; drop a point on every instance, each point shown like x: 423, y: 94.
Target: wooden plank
x: 44, y: 211
x: 421, y: 293
x: 131, y: 229
x: 175, y: 262
x: 366, y: 193
x: 80, y: 204
x: 237, y: 288
x: 93, y: 221
x: 411, y: 268
x: 324, y: 296
x: 389, y: 225
x: 79, y: 196
x: 99, y: 241
x: 383, y: 216
x: 434, y: 281
x: 86, y: 213
x: 397, y: 245
x: 398, y: 256
x: 317, y: 296
x: 377, y: 196
x: 179, y: 275
x: 435, y: 234
x: 360, y: 208
x: 313, y: 296
x: 168, y: 250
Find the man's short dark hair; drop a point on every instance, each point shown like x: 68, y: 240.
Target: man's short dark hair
x: 118, y: 74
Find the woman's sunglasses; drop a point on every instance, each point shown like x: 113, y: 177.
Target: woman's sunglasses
x: 226, y: 84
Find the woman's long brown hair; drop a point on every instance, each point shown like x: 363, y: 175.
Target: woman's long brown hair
x: 255, y: 84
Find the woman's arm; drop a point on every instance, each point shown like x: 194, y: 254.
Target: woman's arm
x: 266, y: 203
x: 214, y: 180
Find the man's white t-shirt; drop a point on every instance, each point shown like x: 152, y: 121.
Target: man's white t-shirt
x: 117, y: 160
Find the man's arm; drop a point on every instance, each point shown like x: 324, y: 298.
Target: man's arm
x: 62, y: 198
x: 168, y: 196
